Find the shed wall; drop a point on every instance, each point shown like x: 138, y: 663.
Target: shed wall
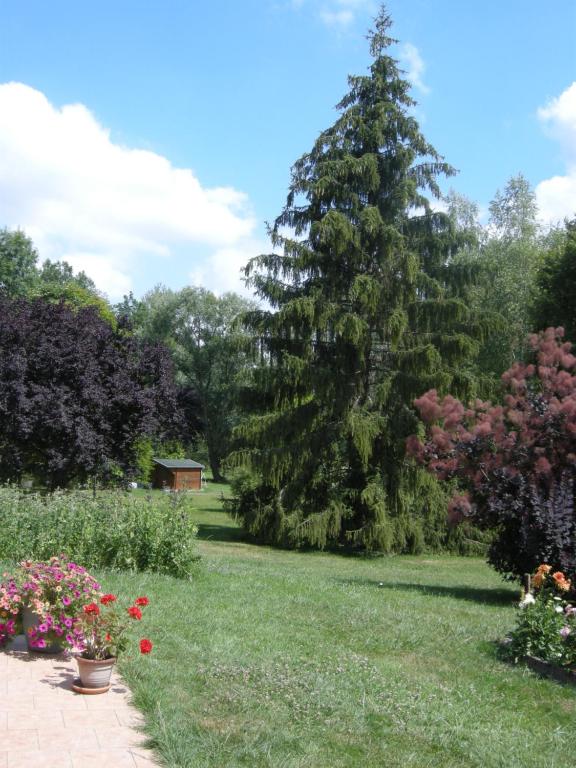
x: 177, y: 479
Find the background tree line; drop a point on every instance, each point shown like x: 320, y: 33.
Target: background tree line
x: 305, y: 394
x: 89, y: 389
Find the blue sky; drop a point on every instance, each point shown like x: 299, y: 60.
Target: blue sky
x: 148, y: 141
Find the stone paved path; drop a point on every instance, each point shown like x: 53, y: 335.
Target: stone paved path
x: 44, y: 723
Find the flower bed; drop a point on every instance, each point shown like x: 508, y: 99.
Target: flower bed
x: 545, y: 632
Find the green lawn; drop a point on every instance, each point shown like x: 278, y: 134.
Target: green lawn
x: 293, y: 660
x: 213, y: 524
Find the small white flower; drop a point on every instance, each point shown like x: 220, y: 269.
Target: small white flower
x: 558, y: 609
x: 528, y: 600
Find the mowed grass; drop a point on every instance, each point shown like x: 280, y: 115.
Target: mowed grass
x: 307, y: 660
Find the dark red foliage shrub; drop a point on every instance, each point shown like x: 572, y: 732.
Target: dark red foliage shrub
x: 516, y: 462
x: 76, y: 393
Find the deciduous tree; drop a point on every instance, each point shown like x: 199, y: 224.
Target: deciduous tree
x: 516, y: 462
x: 554, y: 301
x: 17, y: 263
x: 54, y: 281
x: 75, y: 393
x: 210, y: 351
x: 506, y: 257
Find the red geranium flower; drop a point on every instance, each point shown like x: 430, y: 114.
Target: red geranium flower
x: 135, y: 612
x: 91, y: 609
x: 105, y: 599
x: 141, y: 601
x: 145, y: 646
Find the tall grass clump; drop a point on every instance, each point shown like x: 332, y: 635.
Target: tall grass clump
x: 114, y: 530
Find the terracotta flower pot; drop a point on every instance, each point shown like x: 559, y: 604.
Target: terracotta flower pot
x: 94, y: 674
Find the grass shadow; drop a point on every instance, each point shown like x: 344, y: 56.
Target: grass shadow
x: 211, y: 532
x: 497, y: 596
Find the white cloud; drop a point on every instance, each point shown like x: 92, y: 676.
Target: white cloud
x: 559, y: 116
x: 222, y: 271
x: 103, y: 271
x: 337, y: 14
x: 556, y: 197
x: 413, y: 63
x: 338, y: 18
x: 105, y: 208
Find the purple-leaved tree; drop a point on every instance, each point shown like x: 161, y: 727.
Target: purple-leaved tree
x: 516, y: 462
x: 76, y: 393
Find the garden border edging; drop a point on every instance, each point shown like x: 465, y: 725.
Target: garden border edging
x: 546, y: 669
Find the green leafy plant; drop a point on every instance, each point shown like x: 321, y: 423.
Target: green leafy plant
x: 114, y: 530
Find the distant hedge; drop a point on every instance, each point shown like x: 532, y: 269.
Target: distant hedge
x: 115, y: 530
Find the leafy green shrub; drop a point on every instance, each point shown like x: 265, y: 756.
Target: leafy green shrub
x: 114, y: 530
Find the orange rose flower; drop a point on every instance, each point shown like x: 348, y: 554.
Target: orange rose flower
x: 544, y: 568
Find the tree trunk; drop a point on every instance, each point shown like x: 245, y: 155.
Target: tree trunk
x: 215, y: 461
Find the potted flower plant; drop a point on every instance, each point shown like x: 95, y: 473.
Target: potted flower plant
x: 99, y: 636
x: 52, y: 594
x: 10, y: 604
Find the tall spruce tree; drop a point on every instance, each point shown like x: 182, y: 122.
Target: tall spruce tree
x: 366, y: 313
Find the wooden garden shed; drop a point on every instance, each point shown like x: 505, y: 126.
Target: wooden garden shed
x: 177, y: 474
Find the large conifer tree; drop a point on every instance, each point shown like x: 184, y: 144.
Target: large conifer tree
x: 366, y: 314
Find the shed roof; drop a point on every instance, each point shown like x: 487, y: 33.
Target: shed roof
x: 179, y: 464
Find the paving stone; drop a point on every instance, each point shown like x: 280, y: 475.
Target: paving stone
x: 42, y: 758
x: 94, y: 719
x: 43, y: 722
x: 118, y: 736
x: 71, y: 701
x: 69, y: 739
x: 39, y: 720
x: 18, y: 741
x: 144, y: 759
x: 110, y: 758
x: 129, y: 716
